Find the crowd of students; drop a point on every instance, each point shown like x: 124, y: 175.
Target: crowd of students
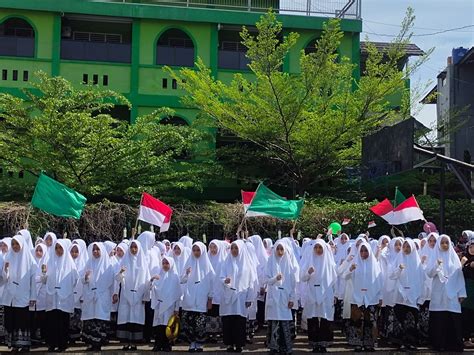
x: 399, y: 291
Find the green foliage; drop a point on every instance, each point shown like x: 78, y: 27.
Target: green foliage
x: 106, y: 220
x: 70, y: 134
x: 306, y: 127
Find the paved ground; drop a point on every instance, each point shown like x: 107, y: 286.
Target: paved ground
x: 300, y: 347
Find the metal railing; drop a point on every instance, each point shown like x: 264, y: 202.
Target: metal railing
x: 350, y: 9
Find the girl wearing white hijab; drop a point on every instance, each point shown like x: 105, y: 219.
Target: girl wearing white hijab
x: 165, y: 300
x: 98, y: 278
x: 318, y: 271
x: 180, y: 255
x: 50, y: 239
x: 78, y: 251
x: 238, y: 282
x: 134, y: 278
x: 187, y: 241
x: 217, y: 255
x: 29, y: 241
x: 38, y: 331
x: 197, y: 299
x: 62, y: 277
x: 447, y: 294
x: 5, y: 245
x: 268, y: 244
x: 281, y: 279
x: 366, y: 297
x: 262, y: 257
x: 409, y: 276
x: 19, y: 275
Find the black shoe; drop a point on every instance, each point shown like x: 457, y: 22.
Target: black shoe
x: 369, y: 350
x: 411, y: 348
x: 238, y: 350
x: 322, y: 349
x: 60, y: 350
x: 126, y: 347
x: 156, y: 348
x: 315, y: 350
x: 230, y: 349
x: 358, y: 349
x: 166, y: 349
x: 199, y: 350
x: 191, y: 350
x: 51, y: 349
x: 133, y: 348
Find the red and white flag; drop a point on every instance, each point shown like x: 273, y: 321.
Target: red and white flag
x: 155, y: 212
x: 346, y: 221
x: 247, y: 197
x: 371, y: 224
x: 407, y: 211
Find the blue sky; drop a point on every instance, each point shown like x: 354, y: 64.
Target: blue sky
x: 384, y: 16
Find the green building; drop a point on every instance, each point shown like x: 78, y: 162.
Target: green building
x: 123, y: 45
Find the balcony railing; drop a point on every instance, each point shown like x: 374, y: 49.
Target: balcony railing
x: 93, y: 51
x: 350, y: 9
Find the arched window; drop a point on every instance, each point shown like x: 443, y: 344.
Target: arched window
x: 17, y: 38
x: 174, y: 47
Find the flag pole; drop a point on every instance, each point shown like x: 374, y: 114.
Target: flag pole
x: 30, y: 207
x: 134, y: 230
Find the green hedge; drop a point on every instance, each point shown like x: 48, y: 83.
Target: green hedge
x: 107, y: 220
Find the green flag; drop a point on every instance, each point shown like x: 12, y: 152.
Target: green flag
x: 399, y: 198
x: 266, y: 201
x: 57, y: 199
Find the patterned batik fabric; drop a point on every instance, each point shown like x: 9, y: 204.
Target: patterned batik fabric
x: 280, y: 336
x: 362, y: 328
x: 94, y: 332
x: 75, y: 325
x: 405, y: 326
x: 194, y: 326
x: 17, y: 327
x: 423, y: 323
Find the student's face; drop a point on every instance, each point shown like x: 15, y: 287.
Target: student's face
x: 279, y: 251
x: 58, y: 249
x: 133, y: 249
x: 165, y: 265
x: 96, y: 252
x: 213, y: 249
x: 432, y: 242
x: 119, y: 252
x: 398, y: 246
x: 470, y: 249
x: 344, y: 239
x: 4, y: 247
x: 406, y: 248
x: 364, y: 253
x: 234, y: 250
x: 168, y: 246
x: 196, y: 252
x: 74, y: 252
x: 384, y: 242
x: 177, y: 250
x: 265, y: 244
x: 39, y: 252
x: 444, y: 244
x: 15, y: 246
x: 112, y: 252
x: 48, y: 241
x: 318, y: 250
x: 423, y: 242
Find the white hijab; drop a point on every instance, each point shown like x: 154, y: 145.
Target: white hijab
x: 412, y: 277
x: 341, y: 249
x: 181, y: 259
x: 101, y: 276
x: 324, y: 277
x: 136, y: 276
x: 187, y: 241
x: 27, y: 235
x: 367, y: 278
x: 82, y: 258
x: 167, y: 289
x: 281, y: 265
x: 268, y: 246
x: 62, y: 272
x: 21, y: 266
x: 450, y: 269
x: 44, y: 259
x: 53, y: 239
x: 239, y: 270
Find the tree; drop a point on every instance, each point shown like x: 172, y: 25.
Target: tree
x: 70, y: 134
x: 305, y: 127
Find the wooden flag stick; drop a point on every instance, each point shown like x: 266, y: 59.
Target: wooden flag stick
x: 28, y: 216
x: 134, y: 230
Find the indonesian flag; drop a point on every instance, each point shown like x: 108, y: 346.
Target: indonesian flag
x: 247, y: 197
x: 155, y: 212
x: 407, y: 211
